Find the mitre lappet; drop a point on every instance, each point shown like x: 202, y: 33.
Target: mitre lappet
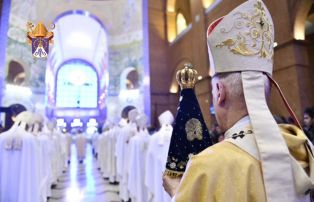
x: 190, y: 134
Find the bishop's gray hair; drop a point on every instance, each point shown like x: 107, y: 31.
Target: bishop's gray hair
x: 233, y: 83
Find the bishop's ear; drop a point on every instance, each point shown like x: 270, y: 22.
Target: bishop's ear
x: 221, y: 93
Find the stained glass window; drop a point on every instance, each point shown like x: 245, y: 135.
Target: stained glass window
x: 181, y: 23
x: 207, y: 3
x: 77, y: 85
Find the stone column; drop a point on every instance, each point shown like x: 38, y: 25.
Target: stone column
x: 292, y: 71
x: 4, y: 25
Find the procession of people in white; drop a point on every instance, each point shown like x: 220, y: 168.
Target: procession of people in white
x: 33, y: 155
x: 128, y: 154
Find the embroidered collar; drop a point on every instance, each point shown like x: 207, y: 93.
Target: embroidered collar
x: 237, y: 129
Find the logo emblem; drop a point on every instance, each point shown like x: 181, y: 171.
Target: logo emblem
x: 39, y: 38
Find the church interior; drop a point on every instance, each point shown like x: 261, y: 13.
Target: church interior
x: 73, y: 71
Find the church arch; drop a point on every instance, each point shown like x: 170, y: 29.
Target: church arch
x: 16, y: 73
x: 129, y: 79
x: 303, y: 10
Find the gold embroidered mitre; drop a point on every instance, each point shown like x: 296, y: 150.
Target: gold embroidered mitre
x: 186, y: 77
x: 242, y: 40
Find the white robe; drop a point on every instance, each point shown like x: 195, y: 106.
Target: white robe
x: 119, y: 147
x: 123, y: 156
x: 155, y: 164
x: 109, y: 152
x: 119, y: 152
x: 54, y: 158
x: 81, y: 146
x: 112, y: 169
x: 136, y: 185
x: 45, y: 161
x: 64, y: 150
x: 102, y: 153
x: 57, y: 157
x: 19, y: 168
x: 68, y: 146
x: 106, y: 154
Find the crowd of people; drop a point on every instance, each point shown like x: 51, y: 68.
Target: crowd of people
x: 130, y: 156
x: 307, y: 122
x: 33, y: 156
x: 258, y: 160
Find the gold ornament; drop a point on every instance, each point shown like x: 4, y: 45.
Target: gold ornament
x: 186, y: 77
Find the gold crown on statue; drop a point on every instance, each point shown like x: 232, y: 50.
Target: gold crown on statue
x: 186, y: 77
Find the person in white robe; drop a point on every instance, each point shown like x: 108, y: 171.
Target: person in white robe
x: 119, y: 149
x: 64, y: 149
x: 101, y: 153
x: 19, y: 165
x: 128, y: 131
x: 49, y: 132
x: 103, y: 149
x: 45, y: 156
x: 112, y: 138
x: 106, y: 150
x: 157, y: 157
x: 138, y: 149
x: 59, y: 150
x: 119, y: 146
x: 68, y: 146
x: 81, y: 142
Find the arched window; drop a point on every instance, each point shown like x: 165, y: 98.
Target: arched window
x: 179, y: 18
x: 207, y: 3
x: 77, y: 85
x: 132, y: 80
x: 302, y: 20
x: 16, y: 73
x: 77, y: 68
x: 181, y: 23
